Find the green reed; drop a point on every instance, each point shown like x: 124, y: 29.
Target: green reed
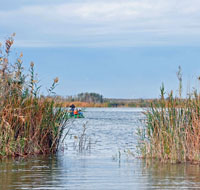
x: 29, y: 124
x: 172, y: 129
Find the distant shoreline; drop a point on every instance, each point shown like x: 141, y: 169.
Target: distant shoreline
x: 92, y: 99
x: 113, y: 103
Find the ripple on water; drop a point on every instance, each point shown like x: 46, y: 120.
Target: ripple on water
x: 104, y: 166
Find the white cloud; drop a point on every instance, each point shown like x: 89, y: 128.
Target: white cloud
x: 113, y: 22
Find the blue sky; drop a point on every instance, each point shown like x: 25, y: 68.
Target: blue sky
x: 119, y: 48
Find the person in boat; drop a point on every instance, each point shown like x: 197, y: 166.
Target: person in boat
x: 80, y: 112
x: 72, y: 106
x: 71, y: 111
x: 76, y: 112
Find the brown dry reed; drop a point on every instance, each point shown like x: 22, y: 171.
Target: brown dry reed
x: 172, y: 128
x: 29, y: 124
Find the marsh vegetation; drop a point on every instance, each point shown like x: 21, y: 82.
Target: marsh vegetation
x: 29, y: 124
x: 172, y: 129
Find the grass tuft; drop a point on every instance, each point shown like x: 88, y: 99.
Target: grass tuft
x: 29, y: 124
x: 172, y: 129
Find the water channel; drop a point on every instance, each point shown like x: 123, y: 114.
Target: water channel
x: 104, y: 157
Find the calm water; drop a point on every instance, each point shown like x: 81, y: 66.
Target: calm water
x: 102, y: 161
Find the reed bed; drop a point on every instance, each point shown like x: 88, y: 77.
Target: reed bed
x: 29, y: 124
x: 172, y: 129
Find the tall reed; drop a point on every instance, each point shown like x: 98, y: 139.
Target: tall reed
x: 172, y: 129
x: 29, y: 124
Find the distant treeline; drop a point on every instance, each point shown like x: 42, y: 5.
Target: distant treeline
x: 97, y: 100
x: 86, y: 97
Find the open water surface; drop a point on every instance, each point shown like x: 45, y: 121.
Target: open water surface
x: 100, y: 159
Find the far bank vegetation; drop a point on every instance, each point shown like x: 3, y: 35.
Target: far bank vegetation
x: 97, y: 100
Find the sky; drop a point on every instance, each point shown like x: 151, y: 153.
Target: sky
x: 118, y: 48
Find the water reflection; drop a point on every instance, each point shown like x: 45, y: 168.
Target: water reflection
x: 172, y: 176
x: 32, y: 172
x: 60, y: 172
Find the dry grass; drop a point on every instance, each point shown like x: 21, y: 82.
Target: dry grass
x: 28, y: 124
x: 172, y: 130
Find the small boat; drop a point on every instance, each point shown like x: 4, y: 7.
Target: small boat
x: 75, y: 114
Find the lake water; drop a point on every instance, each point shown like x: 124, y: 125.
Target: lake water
x: 100, y: 158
